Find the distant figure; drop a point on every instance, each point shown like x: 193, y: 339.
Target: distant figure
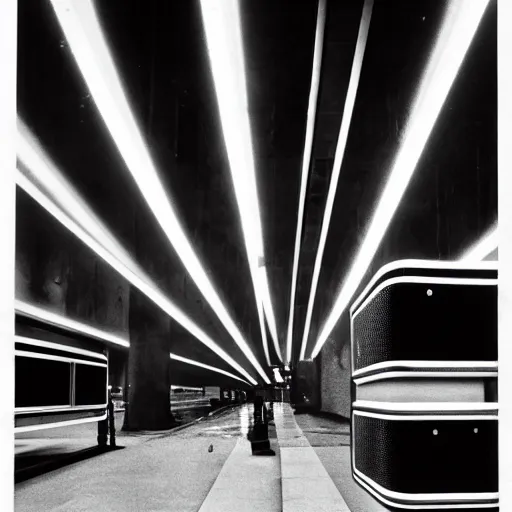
x: 210, y: 448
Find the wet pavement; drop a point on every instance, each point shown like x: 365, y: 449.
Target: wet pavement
x: 51, y: 446
x: 168, y: 471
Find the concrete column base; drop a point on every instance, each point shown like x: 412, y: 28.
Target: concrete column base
x: 149, y: 383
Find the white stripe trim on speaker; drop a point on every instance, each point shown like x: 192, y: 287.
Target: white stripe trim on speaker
x: 413, y: 365
x: 424, y: 264
x: 51, y: 357
x: 42, y: 426
x: 58, y: 408
x: 448, y: 407
x: 358, y: 476
x: 415, y: 375
x: 422, y: 280
x: 422, y: 506
x: 58, y: 346
x: 426, y: 417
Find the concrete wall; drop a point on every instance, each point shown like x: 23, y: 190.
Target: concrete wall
x: 335, y: 374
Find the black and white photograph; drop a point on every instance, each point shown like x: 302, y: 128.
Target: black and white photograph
x: 256, y: 256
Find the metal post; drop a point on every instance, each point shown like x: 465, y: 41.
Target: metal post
x: 111, y: 421
x: 103, y: 432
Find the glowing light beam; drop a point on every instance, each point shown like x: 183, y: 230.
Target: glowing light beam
x: 306, y: 160
x: 175, y: 357
x: 43, y: 315
x: 81, y: 26
x: 222, y: 26
x: 485, y: 246
x: 348, y: 108
x: 41, y: 179
x: 460, y: 23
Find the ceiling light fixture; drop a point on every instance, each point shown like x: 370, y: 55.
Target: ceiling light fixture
x: 348, y: 108
x: 460, y: 23
x: 306, y: 160
x: 222, y: 26
x: 277, y: 376
x: 80, y: 24
x: 49, y: 317
x: 39, y: 177
x: 175, y: 357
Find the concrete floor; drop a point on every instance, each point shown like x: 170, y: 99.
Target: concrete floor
x: 177, y: 472
x: 172, y: 472
x: 330, y: 438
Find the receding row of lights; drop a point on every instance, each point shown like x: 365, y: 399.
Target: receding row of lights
x: 41, y: 179
x: 460, y: 24
x: 49, y: 317
x: 223, y: 30
x: 82, y: 30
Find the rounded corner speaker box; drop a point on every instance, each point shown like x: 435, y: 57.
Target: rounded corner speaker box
x: 424, y: 385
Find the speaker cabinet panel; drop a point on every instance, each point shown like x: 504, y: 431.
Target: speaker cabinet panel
x: 427, y: 322
x: 424, y: 386
x: 428, y: 456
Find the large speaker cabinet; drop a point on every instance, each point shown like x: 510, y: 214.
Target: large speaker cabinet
x: 424, y: 385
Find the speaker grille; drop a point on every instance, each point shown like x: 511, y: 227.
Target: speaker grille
x: 406, y: 456
x: 404, y: 322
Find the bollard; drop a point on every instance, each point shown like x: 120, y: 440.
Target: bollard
x: 260, y: 444
x: 102, y: 432
x: 111, y: 423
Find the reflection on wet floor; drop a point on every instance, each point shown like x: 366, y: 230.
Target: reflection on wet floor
x: 233, y: 425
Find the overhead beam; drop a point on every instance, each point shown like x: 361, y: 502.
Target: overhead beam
x: 185, y: 360
x: 346, y: 119
x: 306, y: 162
x: 41, y: 179
x: 483, y: 247
x: 460, y: 24
x: 82, y: 29
x: 30, y: 311
x: 222, y: 27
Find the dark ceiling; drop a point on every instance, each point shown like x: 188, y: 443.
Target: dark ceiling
x: 159, y: 49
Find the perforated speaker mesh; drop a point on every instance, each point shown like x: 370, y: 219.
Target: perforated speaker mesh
x: 431, y: 322
x: 427, y: 456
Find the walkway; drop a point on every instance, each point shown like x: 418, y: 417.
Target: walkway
x: 179, y: 472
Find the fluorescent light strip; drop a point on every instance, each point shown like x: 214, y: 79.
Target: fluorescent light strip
x: 51, y: 357
x: 79, y: 327
x: 485, y: 246
x: 459, y: 26
x: 59, y: 346
x: 306, y: 160
x: 175, y: 357
x: 338, y: 160
x: 277, y: 375
x: 30, y: 311
x: 268, y: 309
x: 100, y: 241
x: 82, y: 29
x: 261, y: 319
x: 222, y: 26
x: 41, y: 426
x: 185, y: 388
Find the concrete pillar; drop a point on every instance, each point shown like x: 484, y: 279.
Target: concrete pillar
x: 149, y: 381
